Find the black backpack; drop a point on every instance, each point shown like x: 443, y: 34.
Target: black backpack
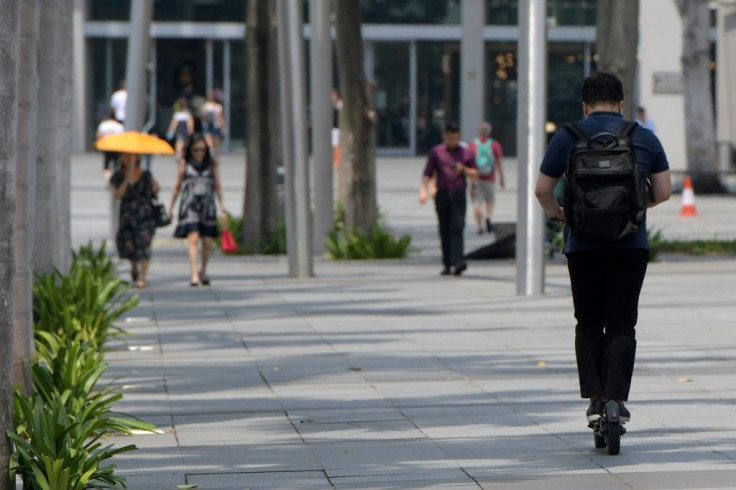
x: 605, y: 196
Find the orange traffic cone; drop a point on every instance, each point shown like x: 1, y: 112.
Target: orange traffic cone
x: 688, y: 198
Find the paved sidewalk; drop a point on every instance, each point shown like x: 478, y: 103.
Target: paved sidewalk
x: 385, y: 375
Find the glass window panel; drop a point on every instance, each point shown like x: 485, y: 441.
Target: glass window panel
x: 411, y: 11
x: 391, y: 94
x: 560, y: 12
x: 501, y: 93
x: 438, y: 87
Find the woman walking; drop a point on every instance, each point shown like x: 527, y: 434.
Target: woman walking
x: 136, y: 190
x: 198, y: 181
x: 181, y: 126
x: 213, y: 123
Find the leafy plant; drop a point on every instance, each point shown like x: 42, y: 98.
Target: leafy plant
x: 81, y: 305
x: 344, y: 244
x: 95, y: 260
x: 58, y: 450
x: 659, y: 245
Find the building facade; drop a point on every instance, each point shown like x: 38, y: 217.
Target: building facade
x: 413, y: 53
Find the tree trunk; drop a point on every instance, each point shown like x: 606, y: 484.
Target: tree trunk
x: 64, y: 90
x: 699, y: 119
x: 357, y: 173
x: 617, y: 38
x: 260, y: 208
x: 46, y: 225
x: 9, y: 59
x: 25, y: 186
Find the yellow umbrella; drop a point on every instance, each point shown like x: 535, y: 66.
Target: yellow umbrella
x: 134, y: 142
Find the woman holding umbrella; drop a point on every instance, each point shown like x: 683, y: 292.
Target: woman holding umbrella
x: 136, y: 190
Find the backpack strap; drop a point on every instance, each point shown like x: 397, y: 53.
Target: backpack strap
x: 577, y: 131
x: 626, y: 128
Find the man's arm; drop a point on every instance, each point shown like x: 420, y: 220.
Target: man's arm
x: 545, y: 192
x: 424, y: 189
x: 661, y: 187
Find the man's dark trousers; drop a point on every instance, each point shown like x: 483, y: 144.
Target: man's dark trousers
x: 606, y: 283
x: 451, y: 206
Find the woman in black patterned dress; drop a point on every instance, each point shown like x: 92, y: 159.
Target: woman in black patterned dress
x: 136, y: 189
x: 198, y: 180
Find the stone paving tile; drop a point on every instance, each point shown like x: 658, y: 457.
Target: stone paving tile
x: 383, y: 374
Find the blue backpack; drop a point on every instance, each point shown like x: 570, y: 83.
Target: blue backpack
x: 484, y: 156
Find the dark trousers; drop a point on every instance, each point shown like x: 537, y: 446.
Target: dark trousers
x: 606, y: 283
x: 451, y: 206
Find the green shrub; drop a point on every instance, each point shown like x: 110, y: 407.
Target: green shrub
x: 81, y: 305
x: 658, y: 245
x: 97, y: 261
x: 56, y: 449
x: 272, y: 245
x: 344, y: 244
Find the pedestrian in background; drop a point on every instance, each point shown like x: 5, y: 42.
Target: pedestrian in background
x: 212, y: 117
x: 118, y: 100
x: 605, y: 277
x: 488, y: 157
x: 136, y: 189
x: 198, y: 182
x: 449, y: 164
x: 108, y: 127
x: 181, y: 126
x: 643, y: 120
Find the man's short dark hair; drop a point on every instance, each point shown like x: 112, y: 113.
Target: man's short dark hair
x: 452, y: 127
x: 602, y: 87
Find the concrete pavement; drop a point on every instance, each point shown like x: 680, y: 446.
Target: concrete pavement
x: 383, y: 374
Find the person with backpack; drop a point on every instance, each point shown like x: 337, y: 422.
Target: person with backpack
x: 488, y: 158
x: 613, y: 172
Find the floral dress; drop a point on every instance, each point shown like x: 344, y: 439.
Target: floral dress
x: 197, y: 209
x: 137, y: 224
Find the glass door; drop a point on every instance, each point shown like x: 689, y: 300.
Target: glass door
x: 392, y: 96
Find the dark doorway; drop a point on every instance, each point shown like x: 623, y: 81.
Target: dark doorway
x: 181, y: 63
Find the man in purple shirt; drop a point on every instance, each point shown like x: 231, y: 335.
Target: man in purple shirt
x: 450, y: 163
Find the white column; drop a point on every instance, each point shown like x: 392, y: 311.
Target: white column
x: 226, y: 93
x: 320, y: 55
x: 79, y: 74
x: 209, y: 49
x: 472, y: 67
x: 532, y: 114
x: 135, y: 71
x: 294, y: 133
x: 725, y: 81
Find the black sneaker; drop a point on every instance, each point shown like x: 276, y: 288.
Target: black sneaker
x: 595, y: 409
x: 623, y: 412
x: 445, y: 272
x: 489, y: 226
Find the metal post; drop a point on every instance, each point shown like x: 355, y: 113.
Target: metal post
x: 152, y: 80
x: 725, y: 80
x: 320, y: 55
x: 532, y: 110
x: 413, y: 98
x: 226, y: 93
x: 294, y: 132
x: 79, y: 111
x: 135, y: 72
x: 472, y: 67
x: 209, y: 59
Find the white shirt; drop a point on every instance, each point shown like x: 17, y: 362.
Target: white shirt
x: 108, y: 127
x: 117, y: 101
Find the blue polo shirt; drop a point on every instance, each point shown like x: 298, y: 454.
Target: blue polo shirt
x: 649, y: 155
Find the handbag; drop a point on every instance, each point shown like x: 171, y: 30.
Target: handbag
x: 160, y: 216
x: 227, y: 242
